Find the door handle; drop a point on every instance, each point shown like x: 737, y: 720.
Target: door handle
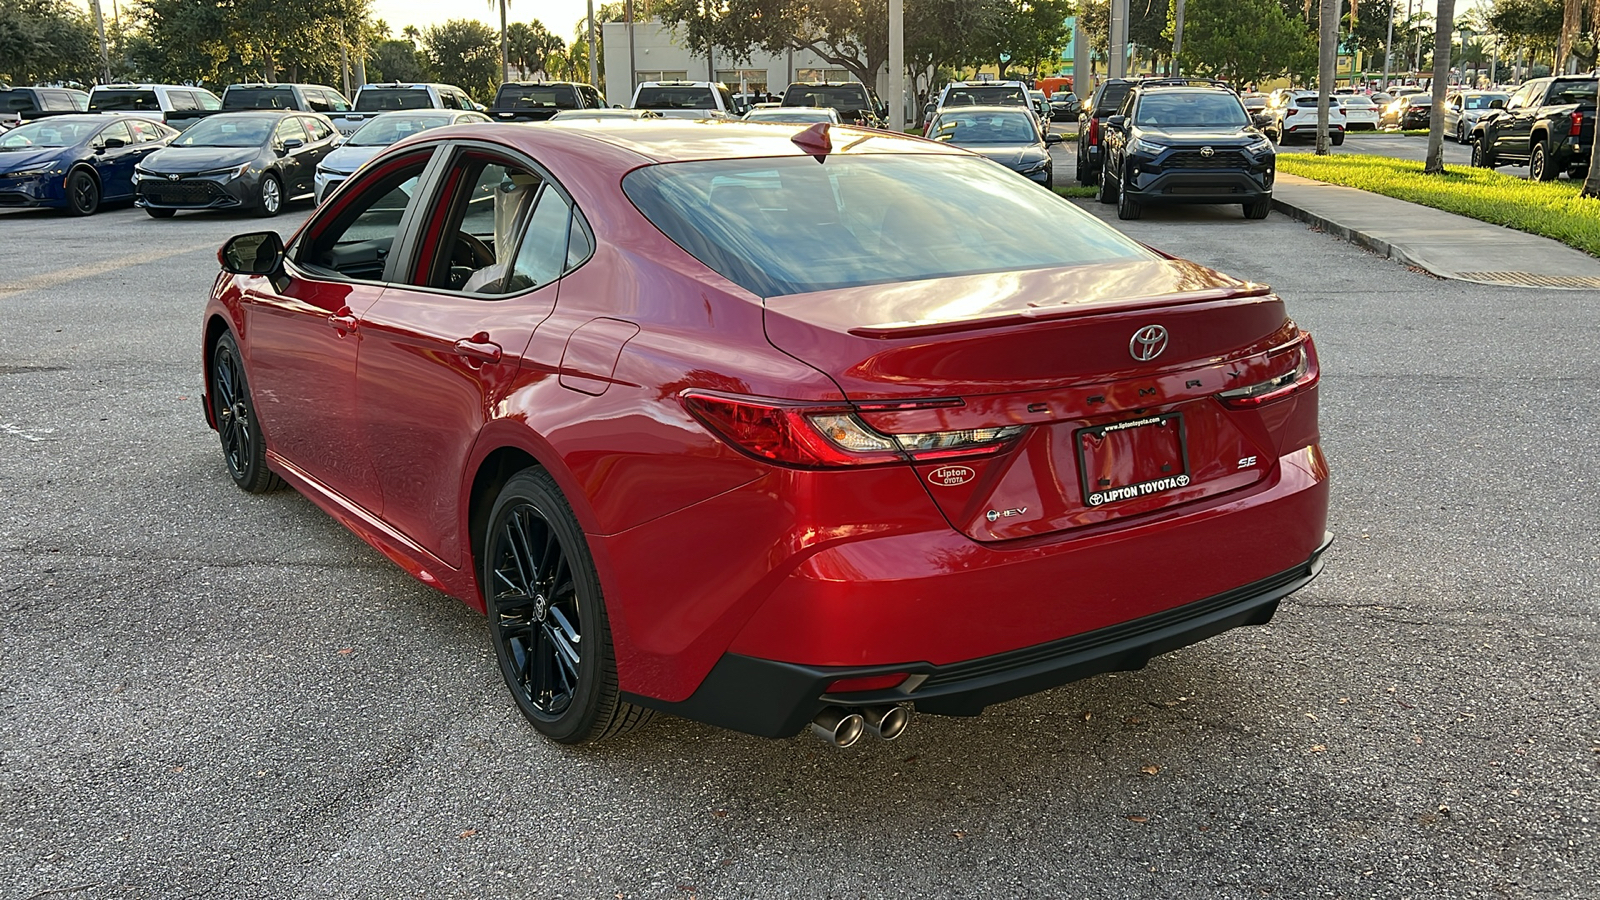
x: 343, y: 321
x: 478, y: 349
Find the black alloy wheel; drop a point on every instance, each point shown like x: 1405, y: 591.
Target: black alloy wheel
x: 547, y: 617
x: 1539, y: 167
x: 243, y: 448
x: 1482, y: 157
x: 83, y: 193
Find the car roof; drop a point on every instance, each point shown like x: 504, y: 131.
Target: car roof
x: 1007, y: 110
x: 628, y: 143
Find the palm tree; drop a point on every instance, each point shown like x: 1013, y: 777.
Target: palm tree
x: 1444, y: 24
x: 503, y: 44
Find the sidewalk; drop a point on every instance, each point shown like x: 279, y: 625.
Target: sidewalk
x: 1445, y: 244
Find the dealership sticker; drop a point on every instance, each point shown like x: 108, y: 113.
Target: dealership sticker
x: 950, y: 476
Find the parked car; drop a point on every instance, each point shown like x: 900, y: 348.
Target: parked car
x: 845, y: 386
x: 1041, y: 104
x: 377, y: 133
x: 793, y: 114
x: 537, y: 101
x: 855, y: 103
x: 22, y: 104
x: 1064, y: 107
x: 372, y: 99
x: 304, y: 97
x: 684, y: 99
x: 1548, y: 124
x: 1105, y: 101
x: 1293, y: 114
x: 1408, y: 111
x: 1463, y: 109
x: 256, y: 161
x: 1179, y: 144
x: 76, y: 162
x: 984, y: 93
x: 178, y: 105
x: 1005, y: 134
x: 1360, y: 113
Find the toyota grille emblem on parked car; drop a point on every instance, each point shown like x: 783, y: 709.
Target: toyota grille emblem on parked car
x: 1148, y: 342
x: 174, y: 177
x: 1207, y: 152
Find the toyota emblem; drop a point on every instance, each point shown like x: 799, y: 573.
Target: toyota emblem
x: 1148, y: 342
x: 1207, y: 152
x: 174, y: 177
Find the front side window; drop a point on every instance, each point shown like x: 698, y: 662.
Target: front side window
x: 115, y: 131
x: 789, y: 226
x: 289, y: 129
x: 356, y: 241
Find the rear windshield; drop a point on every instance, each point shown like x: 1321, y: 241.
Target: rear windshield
x: 1482, y: 101
x: 1190, y: 110
x: 963, y: 128
x: 16, y: 101
x: 1111, y: 98
x: 536, y: 96
x: 844, y: 98
x: 370, y: 100
x: 789, y: 226
x: 675, y: 98
x: 259, y: 98
x: 986, y: 96
x: 385, y: 130
x: 1575, y: 91
x: 124, y: 100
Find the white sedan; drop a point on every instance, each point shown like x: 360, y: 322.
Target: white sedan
x: 1360, y: 113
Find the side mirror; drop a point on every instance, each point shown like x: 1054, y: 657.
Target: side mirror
x: 1117, y: 122
x: 114, y: 143
x: 1052, y: 138
x: 293, y: 144
x: 256, y: 253
x: 1497, y: 104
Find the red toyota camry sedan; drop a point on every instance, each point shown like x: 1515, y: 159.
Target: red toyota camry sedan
x: 771, y: 426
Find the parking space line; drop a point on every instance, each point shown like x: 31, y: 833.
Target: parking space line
x: 89, y: 270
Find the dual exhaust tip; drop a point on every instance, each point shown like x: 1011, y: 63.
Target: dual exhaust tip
x: 842, y: 727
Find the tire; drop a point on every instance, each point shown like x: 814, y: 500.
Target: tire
x: 83, y: 193
x: 1539, y: 168
x: 244, y: 450
x: 1077, y: 167
x: 1127, y: 207
x: 1050, y: 181
x: 156, y: 213
x: 1461, y: 132
x: 1108, y: 191
x: 1258, y: 209
x: 1336, y: 139
x: 1089, y: 175
x: 544, y: 601
x: 1482, y: 157
x: 269, y: 196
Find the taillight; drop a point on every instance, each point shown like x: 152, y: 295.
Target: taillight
x: 1577, y: 124
x: 1094, y: 131
x: 829, y: 435
x: 1289, y: 112
x: 1298, y: 364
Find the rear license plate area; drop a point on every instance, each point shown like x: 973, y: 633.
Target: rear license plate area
x: 1140, y: 457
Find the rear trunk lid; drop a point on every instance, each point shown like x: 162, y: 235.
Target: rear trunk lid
x: 1110, y: 434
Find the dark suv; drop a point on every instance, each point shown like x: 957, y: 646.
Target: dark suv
x: 1185, y: 144
x: 1107, y: 98
x: 854, y: 102
x: 536, y: 101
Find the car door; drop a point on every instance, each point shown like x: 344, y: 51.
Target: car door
x: 1517, y: 128
x: 438, y: 356
x: 302, y: 331
x: 291, y: 143
x: 114, y: 152
x: 320, y: 134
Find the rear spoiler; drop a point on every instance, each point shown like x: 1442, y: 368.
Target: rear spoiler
x: 1037, y: 313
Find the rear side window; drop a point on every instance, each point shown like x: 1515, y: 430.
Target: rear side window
x: 790, y: 226
x: 16, y: 101
x: 685, y: 97
x: 1111, y: 98
x: 380, y: 99
x: 58, y: 101
x: 183, y: 100
x: 124, y: 101
x: 592, y: 97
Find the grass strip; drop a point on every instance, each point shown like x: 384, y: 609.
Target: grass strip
x: 1551, y: 209
x: 1075, y: 191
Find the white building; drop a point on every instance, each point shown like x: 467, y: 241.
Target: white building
x: 656, y: 53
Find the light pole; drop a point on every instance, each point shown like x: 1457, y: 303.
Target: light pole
x: 1388, y: 47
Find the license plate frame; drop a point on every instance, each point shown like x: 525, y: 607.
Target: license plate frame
x: 1125, y: 435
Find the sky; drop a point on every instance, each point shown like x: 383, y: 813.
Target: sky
x: 557, y: 15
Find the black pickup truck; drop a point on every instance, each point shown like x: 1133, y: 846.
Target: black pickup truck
x: 1547, y: 124
x: 536, y: 101
x: 22, y: 104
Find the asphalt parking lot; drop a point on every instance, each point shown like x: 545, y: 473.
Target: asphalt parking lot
x: 209, y: 694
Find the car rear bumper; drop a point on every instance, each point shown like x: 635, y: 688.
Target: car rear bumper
x: 777, y: 699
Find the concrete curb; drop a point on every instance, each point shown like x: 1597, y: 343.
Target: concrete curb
x: 1359, y: 238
